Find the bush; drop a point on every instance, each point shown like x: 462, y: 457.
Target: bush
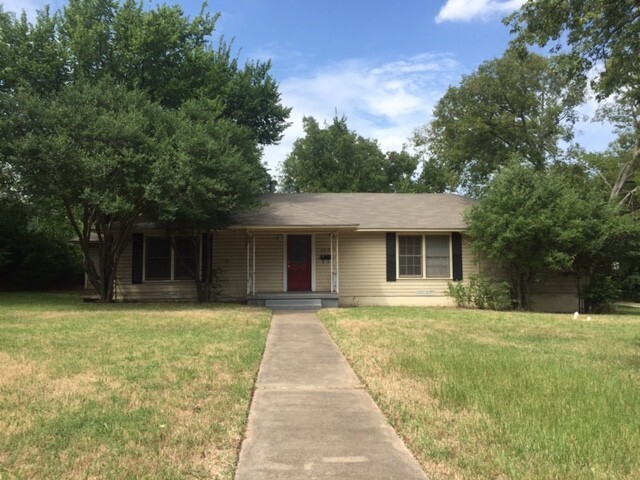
x: 630, y: 287
x: 600, y: 294
x: 33, y: 258
x: 482, y: 293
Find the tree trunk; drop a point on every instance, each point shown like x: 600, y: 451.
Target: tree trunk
x: 628, y: 170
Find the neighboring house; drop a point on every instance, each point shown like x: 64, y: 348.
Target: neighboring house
x: 326, y: 249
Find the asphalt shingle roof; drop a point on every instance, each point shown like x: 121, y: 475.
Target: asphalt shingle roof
x: 364, y: 211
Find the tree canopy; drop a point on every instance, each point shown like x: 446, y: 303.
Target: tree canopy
x: 602, y: 39
x: 534, y: 223
x: 114, y: 111
x: 336, y: 159
x: 518, y: 106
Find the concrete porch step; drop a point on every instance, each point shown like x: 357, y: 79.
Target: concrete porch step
x: 293, y: 303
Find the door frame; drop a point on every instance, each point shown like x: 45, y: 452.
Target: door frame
x: 285, y: 256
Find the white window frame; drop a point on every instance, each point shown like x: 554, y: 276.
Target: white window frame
x: 423, y: 261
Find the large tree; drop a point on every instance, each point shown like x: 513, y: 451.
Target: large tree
x: 216, y: 151
x: 534, y: 223
x: 619, y: 165
x: 518, y: 106
x: 336, y: 159
x: 602, y: 37
x: 98, y: 116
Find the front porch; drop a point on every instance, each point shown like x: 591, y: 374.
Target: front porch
x: 292, y: 269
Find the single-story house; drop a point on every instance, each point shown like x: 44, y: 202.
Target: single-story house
x: 328, y: 249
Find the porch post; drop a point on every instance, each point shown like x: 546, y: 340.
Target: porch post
x: 335, y: 264
x: 251, y: 263
x: 331, y: 261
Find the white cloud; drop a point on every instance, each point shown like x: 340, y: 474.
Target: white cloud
x: 30, y: 7
x: 18, y: 6
x: 468, y: 10
x: 382, y: 101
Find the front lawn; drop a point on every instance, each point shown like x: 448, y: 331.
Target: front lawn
x: 502, y: 395
x: 124, y: 391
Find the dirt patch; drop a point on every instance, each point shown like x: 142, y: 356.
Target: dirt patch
x: 12, y: 369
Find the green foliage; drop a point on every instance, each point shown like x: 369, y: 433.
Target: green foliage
x: 619, y: 165
x: 601, y: 293
x: 33, y: 255
x: 535, y: 223
x: 599, y: 36
x: 596, y: 32
x: 112, y: 111
x: 336, y: 159
x: 481, y: 293
x: 519, y: 106
x: 630, y: 287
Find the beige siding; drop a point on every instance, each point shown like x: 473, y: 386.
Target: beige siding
x: 155, y: 291
x: 269, y: 263
x: 323, y: 267
x: 94, y: 256
x: 362, y: 266
x: 270, y: 251
x: 363, y: 277
x: 469, y: 264
x: 554, y: 294
x: 230, y: 257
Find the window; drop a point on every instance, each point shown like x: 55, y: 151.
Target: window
x: 162, y: 263
x: 424, y: 256
x: 158, y: 264
x: 186, y: 251
x: 438, y: 264
x: 410, y: 255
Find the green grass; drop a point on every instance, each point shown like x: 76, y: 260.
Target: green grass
x: 124, y: 391
x: 502, y: 395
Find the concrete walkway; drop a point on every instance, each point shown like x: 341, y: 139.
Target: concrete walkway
x: 310, y: 416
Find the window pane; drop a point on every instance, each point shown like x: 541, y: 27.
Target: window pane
x: 300, y: 254
x: 158, y: 259
x: 410, y: 255
x: 187, y: 253
x: 438, y: 264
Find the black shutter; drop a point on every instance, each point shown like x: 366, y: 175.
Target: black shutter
x: 137, y: 248
x: 456, y: 243
x: 206, y: 256
x: 391, y: 257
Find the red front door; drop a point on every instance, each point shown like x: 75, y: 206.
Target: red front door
x: 299, y: 262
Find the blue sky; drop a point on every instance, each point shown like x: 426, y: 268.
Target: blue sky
x: 382, y: 63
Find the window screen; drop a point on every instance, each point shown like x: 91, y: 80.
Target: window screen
x: 438, y: 264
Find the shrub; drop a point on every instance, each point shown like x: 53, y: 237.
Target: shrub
x: 482, y: 293
x: 600, y: 294
x: 630, y: 287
